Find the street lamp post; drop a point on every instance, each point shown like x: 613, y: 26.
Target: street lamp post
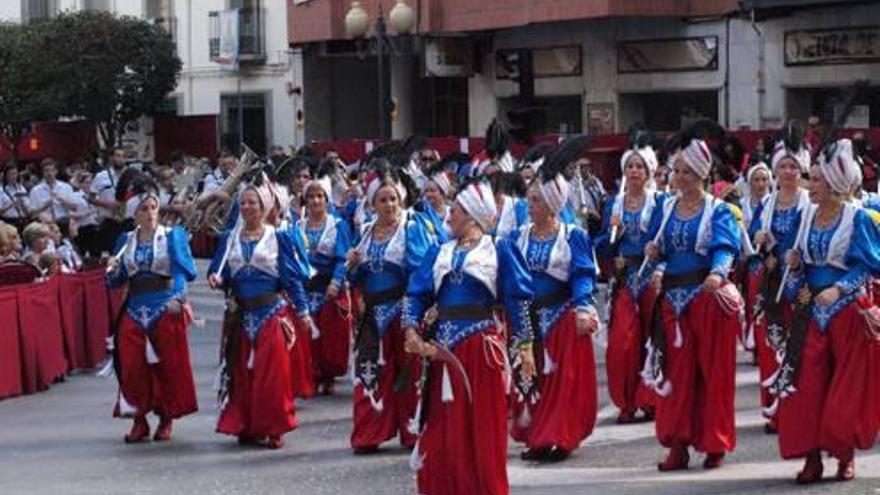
x: 357, y: 23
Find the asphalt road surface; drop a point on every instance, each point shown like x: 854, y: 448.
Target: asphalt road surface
x: 65, y: 441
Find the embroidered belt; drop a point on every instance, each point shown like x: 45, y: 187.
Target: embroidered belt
x: 552, y: 299
x: 464, y: 312
x: 149, y: 283
x: 257, y: 302
x: 319, y: 282
x: 685, y: 279
x: 383, y: 296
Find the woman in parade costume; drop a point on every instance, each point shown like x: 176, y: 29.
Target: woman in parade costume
x: 329, y: 303
x: 627, y: 217
x: 691, y: 359
x: 151, y: 353
x: 773, y: 229
x: 828, y: 378
x: 462, y: 416
x: 391, y: 249
x: 560, y: 411
x: 264, y: 269
x: 434, y: 205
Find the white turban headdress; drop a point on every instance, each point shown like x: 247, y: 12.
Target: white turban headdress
x: 698, y: 157
x: 324, y: 183
x: 479, y: 203
x: 800, y: 156
x: 443, y: 182
x: 647, y: 154
x: 840, y: 167
x: 376, y: 182
x: 555, y: 193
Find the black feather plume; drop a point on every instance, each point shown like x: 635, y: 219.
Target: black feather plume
x: 568, y: 151
x: 535, y: 153
x: 640, y: 136
x: 497, y: 139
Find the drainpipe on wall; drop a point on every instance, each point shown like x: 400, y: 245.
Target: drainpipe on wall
x: 762, y: 92
x: 727, y: 73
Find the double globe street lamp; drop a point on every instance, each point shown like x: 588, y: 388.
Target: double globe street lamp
x: 357, y: 25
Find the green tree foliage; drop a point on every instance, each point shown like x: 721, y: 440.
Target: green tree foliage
x: 92, y: 65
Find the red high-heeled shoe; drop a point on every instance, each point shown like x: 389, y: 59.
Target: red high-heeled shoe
x: 677, y: 460
x: 713, y: 460
x: 163, y: 432
x: 812, y: 471
x: 275, y: 442
x: 846, y: 469
x: 139, y: 430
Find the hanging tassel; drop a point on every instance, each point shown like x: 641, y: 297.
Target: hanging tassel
x: 446, y: 389
x: 218, y: 377
x: 416, y: 459
x: 250, y: 363
x: 316, y: 333
x: 126, y: 410
x: 647, y: 368
x: 152, y: 358
x: 549, y: 365
x: 749, y: 341
x: 665, y: 389
x: 381, y: 360
x: 770, y: 411
x: 772, y: 378
x: 678, y: 338
x: 413, y: 425
x: 107, y: 371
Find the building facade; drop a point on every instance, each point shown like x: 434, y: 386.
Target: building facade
x: 570, y: 66
x: 266, y: 86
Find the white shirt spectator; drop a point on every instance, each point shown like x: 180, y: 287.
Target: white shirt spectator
x: 104, y: 187
x: 84, y: 213
x: 42, y: 193
x: 7, y: 197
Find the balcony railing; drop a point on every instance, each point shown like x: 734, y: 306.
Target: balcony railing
x: 251, y: 35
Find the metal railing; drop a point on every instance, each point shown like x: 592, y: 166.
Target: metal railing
x: 251, y: 35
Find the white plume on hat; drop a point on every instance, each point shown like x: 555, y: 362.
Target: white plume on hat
x: 555, y: 193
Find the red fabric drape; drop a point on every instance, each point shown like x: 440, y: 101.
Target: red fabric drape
x: 41, y: 335
x: 51, y: 327
x: 10, y: 360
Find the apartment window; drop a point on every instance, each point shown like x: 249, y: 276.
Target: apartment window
x: 37, y: 9
x: 244, y: 4
x: 96, y: 5
x: 254, y: 118
x: 158, y: 9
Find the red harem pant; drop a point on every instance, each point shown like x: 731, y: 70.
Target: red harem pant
x: 301, y: 377
x: 372, y: 427
x: 463, y: 445
x: 330, y: 351
x: 630, y: 328
x: 699, y: 410
x: 767, y: 364
x: 166, y: 388
x: 835, y: 407
x: 565, y: 413
x: 261, y: 399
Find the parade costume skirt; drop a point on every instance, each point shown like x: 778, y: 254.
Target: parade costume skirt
x: 835, y: 405
x: 301, y: 374
x: 463, y: 446
x: 565, y: 412
x: 396, y: 391
x: 330, y: 351
x: 766, y: 355
x: 165, y: 388
x: 261, y: 398
x: 699, y: 410
x: 630, y: 328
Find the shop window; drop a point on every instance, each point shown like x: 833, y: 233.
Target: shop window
x: 254, y: 118
x: 670, y: 111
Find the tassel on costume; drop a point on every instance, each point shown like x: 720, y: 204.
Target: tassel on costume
x: 250, y: 362
x: 381, y: 360
x: 770, y: 411
x: 446, y: 388
x: 416, y: 459
x: 316, y: 333
x: 152, y: 358
x: 549, y: 365
x: 678, y: 338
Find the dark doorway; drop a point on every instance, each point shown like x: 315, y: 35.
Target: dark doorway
x: 668, y: 111
x: 253, y: 117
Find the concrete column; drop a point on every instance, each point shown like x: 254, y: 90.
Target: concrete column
x: 402, y: 93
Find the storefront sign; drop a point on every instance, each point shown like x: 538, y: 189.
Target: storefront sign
x: 561, y: 61
x: 670, y: 55
x: 854, y: 45
x: 449, y: 57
